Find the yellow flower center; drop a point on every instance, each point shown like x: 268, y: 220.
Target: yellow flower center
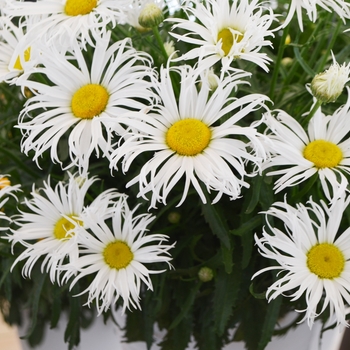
x: 26, y: 57
x: 188, y: 137
x: 4, y: 182
x: 228, y: 39
x: 63, y: 225
x: 118, y: 255
x: 323, y: 154
x: 325, y: 260
x: 89, y: 101
x: 79, y: 7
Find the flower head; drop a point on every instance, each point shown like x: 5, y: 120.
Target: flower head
x: 225, y: 32
x: 6, y: 190
x: 328, y: 85
x: 117, y: 257
x: 49, y: 229
x: 313, y: 257
x: 63, y: 22
x: 190, y: 139
x: 84, y: 102
x: 323, y: 150
x: 340, y: 7
x: 16, y: 52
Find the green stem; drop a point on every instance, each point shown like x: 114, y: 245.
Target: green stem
x: 334, y: 37
x: 312, y: 113
x: 160, y: 42
x: 278, y: 62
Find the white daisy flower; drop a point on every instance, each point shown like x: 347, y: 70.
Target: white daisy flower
x: 191, y: 140
x: 340, y: 7
x: 84, y: 101
x: 6, y: 190
x: 312, y: 256
x: 225, y: 31
x: 324, y: 149
x: 49, y: 230
x: 117, y: 257
x: 64, y: 21
x: 16, y: 53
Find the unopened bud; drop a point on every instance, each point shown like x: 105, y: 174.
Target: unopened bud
x: 205, y: 274
x: 327, y: 86
x: 151, y: 16
x: 174, y: 217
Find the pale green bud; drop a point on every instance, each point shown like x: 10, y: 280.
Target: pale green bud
x: 151, y: 16
x: 205, y: 274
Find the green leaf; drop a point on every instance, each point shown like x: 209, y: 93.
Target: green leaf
x: 255, y: 194
x: 34, y: 302
x: 248, y: 226
x: 225, y: 297
x: 217, y: 223
x: 268, y: 327
x: 56, y: 305
x: 72, y: 332
x: 178, y: 337
x: 227, y: 258
x: 186, y: 306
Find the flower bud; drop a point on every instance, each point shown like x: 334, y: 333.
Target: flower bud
x: 170, y: 48
x: 327, y: 86
x: 151, y: 16
x: 205, y: 274
x: 174, y: 217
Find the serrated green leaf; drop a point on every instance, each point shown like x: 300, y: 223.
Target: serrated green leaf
x: 268, y: 327
x: 34, y: 303
x: 255, y: 193
x: 72, y: 331
x: 225, y: 297
x: 227, y: 258
x: 217, y: 223
x: 249, y: 225
x: 178, y: 337
x: 186, y: 306
x: 56, y: 306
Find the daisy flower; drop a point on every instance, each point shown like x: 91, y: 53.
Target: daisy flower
x: 340, y: 7
x: 323, y: 150
x: 16, y: 53
x: 225, y: 31
x: 311, y: 255
x: 63, y: 21
x: 117, y: 256
x: 82, y: 101
x: 49, y: 229
x: 191, y: 140
x: 6, y: 190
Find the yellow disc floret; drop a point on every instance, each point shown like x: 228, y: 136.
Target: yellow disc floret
x: 64, y: 225
x: 26, y: 57
x: 325, y: 260
x: 188, y: 137
x: 89, y: 101
x: 4, y: 182
x: 79, y: 7
x: 118, y: 255
x: 323, y: 154
x: 228, y: 39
